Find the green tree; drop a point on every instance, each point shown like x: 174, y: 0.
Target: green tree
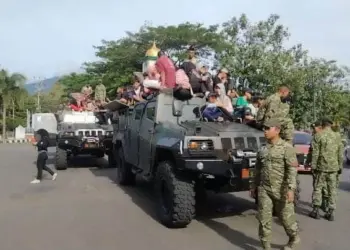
x: 11, y: 92
x: 119, y: 59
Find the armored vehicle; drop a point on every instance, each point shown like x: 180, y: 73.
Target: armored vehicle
x: 167, y: 141
x: 80, y: 133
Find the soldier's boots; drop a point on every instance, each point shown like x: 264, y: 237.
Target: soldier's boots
x: 329, y: 215
x: 292, y: 243
x: 315, y: 213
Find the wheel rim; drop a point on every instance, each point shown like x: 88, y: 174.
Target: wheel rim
x: 165, y: 197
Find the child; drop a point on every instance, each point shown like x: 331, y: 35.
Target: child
x: 42, y: 146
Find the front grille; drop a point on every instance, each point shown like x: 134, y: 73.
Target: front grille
x: 262, y: 141
x: 252, y: 143
x: 226, y: 144
x: 239, y: 143
x: 89, y: 132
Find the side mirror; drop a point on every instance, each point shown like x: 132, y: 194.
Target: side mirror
x: 177, y: 108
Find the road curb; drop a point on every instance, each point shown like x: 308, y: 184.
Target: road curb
x: 18, y: 141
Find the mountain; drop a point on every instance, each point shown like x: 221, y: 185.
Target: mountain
x: 47, y: 85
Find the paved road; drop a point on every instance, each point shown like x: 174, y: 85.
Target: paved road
x: 85, y: 210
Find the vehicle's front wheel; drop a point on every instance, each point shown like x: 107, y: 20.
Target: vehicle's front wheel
x: 61, y: 159
x: 175, y: 197
x: 125, y: 175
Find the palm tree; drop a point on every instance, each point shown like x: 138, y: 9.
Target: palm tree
x: 11, y: 92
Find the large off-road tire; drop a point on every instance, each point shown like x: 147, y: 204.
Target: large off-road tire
x: 125, y: 175
x: 112, y: 163
x: 175, y: 197
x: 100, y: 154
x: 61, y: 159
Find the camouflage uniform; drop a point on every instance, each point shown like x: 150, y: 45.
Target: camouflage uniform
x: 273, y: 107
x: 276, y: 171
x: 327, y: 160
x: 100, y: 92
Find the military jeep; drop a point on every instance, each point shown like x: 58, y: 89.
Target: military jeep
x: 79, y: 133
x: 165, y: 140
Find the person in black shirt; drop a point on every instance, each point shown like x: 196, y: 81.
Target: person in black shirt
x: 42, y: 146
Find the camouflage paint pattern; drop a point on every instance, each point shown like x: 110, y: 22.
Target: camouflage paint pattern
x: 273, y: 107
x: 276, y: 172
x: 100, y: 92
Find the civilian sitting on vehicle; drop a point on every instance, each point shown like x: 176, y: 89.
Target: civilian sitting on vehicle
x: 243, y: 101
x: 223, y: 100
x: 183, y: 90
x: 211, y: 111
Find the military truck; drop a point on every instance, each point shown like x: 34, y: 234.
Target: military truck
x: 164, y: 140
x: 81, y: 133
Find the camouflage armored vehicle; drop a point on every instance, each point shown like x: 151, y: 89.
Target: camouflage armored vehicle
x: 80, y: 133
x: 167, y: 141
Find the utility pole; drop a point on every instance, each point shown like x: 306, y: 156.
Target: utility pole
x: 39, y: 86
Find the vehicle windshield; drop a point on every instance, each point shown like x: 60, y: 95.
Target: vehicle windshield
x: 302, y: 139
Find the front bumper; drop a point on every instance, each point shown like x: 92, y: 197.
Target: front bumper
x: 238, y: 176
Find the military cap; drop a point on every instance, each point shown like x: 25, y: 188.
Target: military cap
x: 272, y: 123
x: 326, y: 121
x: 317, y: 123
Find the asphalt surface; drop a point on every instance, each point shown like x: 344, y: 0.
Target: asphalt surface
x: 85, y: 210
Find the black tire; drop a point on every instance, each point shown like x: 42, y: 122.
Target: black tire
x: 175, y: 197
x: 112, y: 163
x: 125, y: 175
x: 100, y: 154
x: 61, y: 159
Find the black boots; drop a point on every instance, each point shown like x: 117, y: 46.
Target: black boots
x: 315, y: 213
x: 329, y: 215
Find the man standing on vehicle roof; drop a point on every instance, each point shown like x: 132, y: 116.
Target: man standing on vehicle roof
x: 277, y: 106
x: 275, y: 179
x: 166, y: 69
x: 100, y: 92
x: 316, y: 130
x: 327, y: 163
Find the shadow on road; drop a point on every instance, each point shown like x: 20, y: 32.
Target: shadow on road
x: 234, y: 236
x: 216, y: 205
x: 79, y: 161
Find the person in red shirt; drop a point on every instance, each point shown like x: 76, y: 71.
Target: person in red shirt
x: 166, y: 69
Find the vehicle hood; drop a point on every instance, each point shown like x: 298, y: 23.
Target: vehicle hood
x: 225, y: 129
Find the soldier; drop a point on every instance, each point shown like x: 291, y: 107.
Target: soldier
x: 275, y: 181
x: 277, y: 106
x: 327, y: 164
x: 316, y: 129
x: 100, y: 92
x: 336, y: 129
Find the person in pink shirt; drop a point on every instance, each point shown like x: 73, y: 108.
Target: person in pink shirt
x: 166, y: 69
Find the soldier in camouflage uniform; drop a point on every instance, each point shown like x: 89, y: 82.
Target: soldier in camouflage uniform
x: 327, y: 163
x: 336, y: 130
x: 275, y: 179
x: 100, y: 92
x: 316, y: 130
x: 277, y: 106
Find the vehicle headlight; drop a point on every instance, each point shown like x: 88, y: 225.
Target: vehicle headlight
x: 203, y: 145
x: 109, y: 133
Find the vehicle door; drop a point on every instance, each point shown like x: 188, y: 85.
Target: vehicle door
x: 131, y: 151
x: 147, y: 131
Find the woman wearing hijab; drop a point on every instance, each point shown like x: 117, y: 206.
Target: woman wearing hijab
x: 223, y: 100
x: 42, y: 146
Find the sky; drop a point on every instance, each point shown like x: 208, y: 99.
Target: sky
x: 42, y: 38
